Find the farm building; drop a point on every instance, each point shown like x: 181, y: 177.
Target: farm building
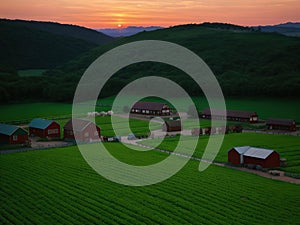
x: 83, y: 130
x: 172, y: 125
x: 11, y: 134
x: 44, y: 128
x: 281, y: 124
x: 246, y: 155
x: 151, y: 108
x: 234, y: 115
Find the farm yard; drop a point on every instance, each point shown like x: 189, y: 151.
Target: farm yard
x: 57, y: 187
x: 278, y: 108
x: 287, y: 146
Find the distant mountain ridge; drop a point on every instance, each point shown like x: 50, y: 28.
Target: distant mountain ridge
x: 288, y: 29
x: 128, y: 31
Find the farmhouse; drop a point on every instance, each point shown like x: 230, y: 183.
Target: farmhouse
x: 10, y: 134
x: 151, y: 108
x: 281, y: 124
x: 44, y: 128
x: 83, y: 130
x: 172, y: 125
x: 234, y: 115
x: 246, y: 155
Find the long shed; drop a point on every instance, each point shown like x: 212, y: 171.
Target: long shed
x: 151, y: 108
x: 81, y: 129
x: 246, y: 155
x: 11, y: 134
x: 281, y: 124
x: 233, y: 115
x: 44, y: 128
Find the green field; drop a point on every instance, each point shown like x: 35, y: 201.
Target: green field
x: 57, y: 187
x: 281, y: 108
x: 27, y: 111
x: 287, y: 146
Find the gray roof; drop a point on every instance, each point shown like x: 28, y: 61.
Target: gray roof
x: 260, y: 153
x: 149, y: 105
x: 229, y: 113
x: 7, y: 129
x: 242, y: 150
x: 40, y: 123
x: 284, y: 122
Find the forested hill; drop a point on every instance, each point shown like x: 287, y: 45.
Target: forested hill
x: 246, y: 62
x: 32, y: 44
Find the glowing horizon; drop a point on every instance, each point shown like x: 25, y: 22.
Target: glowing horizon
x: 123, y: 13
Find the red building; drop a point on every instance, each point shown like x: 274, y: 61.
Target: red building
x: 256, y: 156
x: 233, y: 115
x: 44, y: 128
x: 151, y: 108
x: 281, y: 124
x: 10, y: 134
x: 83, y: 130
x: 172, y: 125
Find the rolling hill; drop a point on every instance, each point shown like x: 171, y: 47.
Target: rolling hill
x: 246, y: 63
x: 32, y: 44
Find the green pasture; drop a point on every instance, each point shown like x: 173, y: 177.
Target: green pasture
x: 287, y: 146
x: 57, y: 186
x: 281, y: 108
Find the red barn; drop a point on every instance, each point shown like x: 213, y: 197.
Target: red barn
x: 83, y: 130
x: 235, y: 155
x: 281, y: 124
x: 172, y: 125
x: 44, y: 128
x: 233, y: 115
x: 151, y: 108
x: 256, y: 156
x: 10, y: 134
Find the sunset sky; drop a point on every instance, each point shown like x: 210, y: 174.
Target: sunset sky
x: 114, y: 13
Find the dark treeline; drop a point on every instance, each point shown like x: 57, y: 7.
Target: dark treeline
x: 245, y: 62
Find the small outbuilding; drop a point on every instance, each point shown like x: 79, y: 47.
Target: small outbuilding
x: 172, y: 126
x: 281, y: 124
x: 151, y: 108
x: 11, y: 134
x: 44, y: 128
x: 83, y: 130
x: 247, y: 155
x: 233, y: 115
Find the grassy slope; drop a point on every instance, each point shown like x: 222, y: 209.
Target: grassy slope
x: 57, y: 187
x: 31, y: 73
x: 287, y: 146
x: 29, y: 48
x: 68, y: 30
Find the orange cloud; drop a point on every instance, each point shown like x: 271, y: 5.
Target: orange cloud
x: 110, y: 13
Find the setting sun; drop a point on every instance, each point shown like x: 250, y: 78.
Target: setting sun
x: 105, y: 13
